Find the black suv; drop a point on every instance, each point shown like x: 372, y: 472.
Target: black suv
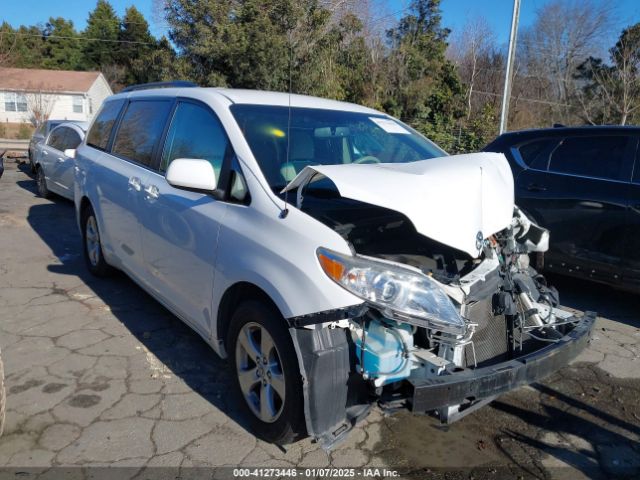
x: 583, y: 184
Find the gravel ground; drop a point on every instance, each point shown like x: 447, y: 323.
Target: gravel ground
x: 99, y: 374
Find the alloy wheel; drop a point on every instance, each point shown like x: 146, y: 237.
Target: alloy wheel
x: 260, y: 374
x: 92, y: 241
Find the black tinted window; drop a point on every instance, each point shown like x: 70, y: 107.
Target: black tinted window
x: 140, y: 130
x: 536, y: 154
x: 195, y: 132
x: 100, y: 131
x: 57, y: 139
x: 600, y: 156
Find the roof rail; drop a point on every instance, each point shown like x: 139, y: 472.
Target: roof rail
x: 558, y: 125
x: 147, y: 86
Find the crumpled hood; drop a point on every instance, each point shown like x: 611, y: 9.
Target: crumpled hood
x: 457, y: 200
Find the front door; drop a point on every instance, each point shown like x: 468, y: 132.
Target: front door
x: 179, y: 227
x: 582, y: 199
x: 631, y: 272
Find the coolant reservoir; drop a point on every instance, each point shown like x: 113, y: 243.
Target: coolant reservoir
x: 384, y: 353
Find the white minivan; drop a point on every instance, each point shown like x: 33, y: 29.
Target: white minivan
x: 339, y: 259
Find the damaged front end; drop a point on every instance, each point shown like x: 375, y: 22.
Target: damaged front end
x: 442, y: 329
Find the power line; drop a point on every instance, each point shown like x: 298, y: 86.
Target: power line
x: 524, y: 99
x: 79, y: 37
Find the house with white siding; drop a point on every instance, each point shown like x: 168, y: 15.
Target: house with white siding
x: 27, y: 93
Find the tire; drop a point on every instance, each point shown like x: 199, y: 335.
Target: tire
x: 92, y: 245
x: 3, y: 398
x: 41, y: 183
x: 282, y: 420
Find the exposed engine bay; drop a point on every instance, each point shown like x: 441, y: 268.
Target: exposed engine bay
x: 440, y: 328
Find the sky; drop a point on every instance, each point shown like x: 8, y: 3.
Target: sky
x: 455, y: 13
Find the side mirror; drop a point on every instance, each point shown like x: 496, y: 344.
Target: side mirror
x: 191, y: 174
x: 70, y: 152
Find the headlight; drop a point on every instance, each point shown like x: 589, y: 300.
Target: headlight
x: 398, y: 292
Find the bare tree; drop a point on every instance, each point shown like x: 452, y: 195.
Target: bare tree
x: 40, y: 104
x: 563, y: 35
x: 611, y: 93
x: 472, y: 51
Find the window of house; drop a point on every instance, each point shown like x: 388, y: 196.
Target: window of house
x: 15, y: 102
x: 78, y: 106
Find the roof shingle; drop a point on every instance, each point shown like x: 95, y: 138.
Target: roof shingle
x: 31, y: 79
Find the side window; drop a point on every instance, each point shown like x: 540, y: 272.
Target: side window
x: 98, y: 136
x: 536, y: 154
x: 140, y: 130
x: 599, y: 156
x: 195, y: 132
x: 72, y: 139
x: 57, y: 139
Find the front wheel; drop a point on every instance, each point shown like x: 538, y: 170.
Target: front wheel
x: 92, y: 245
x: 266, y: 376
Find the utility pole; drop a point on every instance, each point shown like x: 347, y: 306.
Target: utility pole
x: 510, y: 60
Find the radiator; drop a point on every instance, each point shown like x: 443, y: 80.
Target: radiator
x: 490, y: 340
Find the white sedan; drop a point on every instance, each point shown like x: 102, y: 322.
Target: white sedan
x: 54, y: 159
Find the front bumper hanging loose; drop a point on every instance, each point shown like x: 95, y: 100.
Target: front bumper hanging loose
x: 472, y: 386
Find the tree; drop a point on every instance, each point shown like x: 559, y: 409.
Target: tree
x: 136, y: 47
x: 28, y: 48
x: 160, y: 64
x: 62, y: 49
x: 611, y: 93
x: 100, y: 36
x: 40, y: 104
x: 8, y: 40
x: 425, y: 88
x: 563, y: 34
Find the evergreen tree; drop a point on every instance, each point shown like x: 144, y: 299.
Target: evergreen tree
x: 425, y: 88
x: 136, y: 47
x: 62, y: 48
x: 25, y: 49
x: 103, y: 27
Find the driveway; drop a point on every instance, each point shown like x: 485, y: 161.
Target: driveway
x: 99, y: 374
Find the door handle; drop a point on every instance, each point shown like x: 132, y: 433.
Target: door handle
x: 44, y: 152
x: 152, y: 192
x: 60, y: 159
x: 534, y: 187
x: 134, y: 182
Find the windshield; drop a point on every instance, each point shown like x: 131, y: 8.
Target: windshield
x: 325, y: 137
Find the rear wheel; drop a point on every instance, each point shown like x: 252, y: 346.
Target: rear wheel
x: 41, y: 182
x: 92, y: 245
x: 266, y: 376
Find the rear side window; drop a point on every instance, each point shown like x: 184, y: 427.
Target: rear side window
x: 140, y: 130
x: 57, y: 139
x: 72, y: 139
x: 100, y: 132
x: 195, y: 132
x: 599, y: 156
x: 536, y: 154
